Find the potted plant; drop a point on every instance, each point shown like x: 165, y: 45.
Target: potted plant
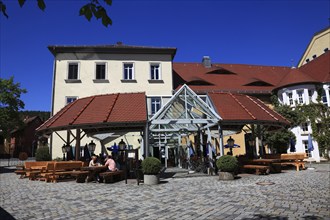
x: 228, y: 167
x: 151, y: 167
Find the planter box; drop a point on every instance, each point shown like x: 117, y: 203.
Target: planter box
x: 226, y: 176
x: 151, y: 179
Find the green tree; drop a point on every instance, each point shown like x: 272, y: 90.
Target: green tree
x: 316, y: 113
x: 319, y: 117
x: 10, y: 104
x: 94, y: 8
x: 280, y: 139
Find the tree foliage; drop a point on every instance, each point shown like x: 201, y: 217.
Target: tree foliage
x: 319, y: 117
x: 94, y: 8
x: 10, y: 104
x: 316, y: 113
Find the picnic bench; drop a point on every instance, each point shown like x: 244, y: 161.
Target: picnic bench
x: 31, y: 169
x: 259, y: 169
x: 294, y: 159
x: 246, y: 165
x: 110, y: 177
x: 63, y: 169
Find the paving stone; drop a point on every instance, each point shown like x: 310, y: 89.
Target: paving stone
x: 295, y: 195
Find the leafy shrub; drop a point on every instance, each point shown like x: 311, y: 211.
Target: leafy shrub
x: 23, y: 156
x: 42, y: 154
x: 151, y: 165
x: 227, y: 163
x: 58, y: 159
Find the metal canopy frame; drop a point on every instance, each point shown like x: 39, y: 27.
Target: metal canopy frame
x: 185, y: 110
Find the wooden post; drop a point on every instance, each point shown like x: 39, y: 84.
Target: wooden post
x: 77, y: 144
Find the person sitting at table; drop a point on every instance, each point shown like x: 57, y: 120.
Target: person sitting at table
x: 111, y: 164
x: 93, y: 162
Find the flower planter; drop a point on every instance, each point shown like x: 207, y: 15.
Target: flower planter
x: 150, y: 179
x: 226, y: 176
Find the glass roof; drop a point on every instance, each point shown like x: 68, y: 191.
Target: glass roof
x: 185, y: 110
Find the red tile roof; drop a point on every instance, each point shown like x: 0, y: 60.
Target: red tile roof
x: 296, y: 76
x: 250, y: 79
x: 231, y: 77
x: 234, y: 108
x: 319, y: 68
x: 100, y: 110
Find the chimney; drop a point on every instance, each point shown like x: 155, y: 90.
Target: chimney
x: 206, y: 62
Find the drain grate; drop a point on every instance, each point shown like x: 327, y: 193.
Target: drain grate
x: 265, y: 183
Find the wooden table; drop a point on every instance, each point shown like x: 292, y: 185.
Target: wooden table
x: 93, y: 171
x: 274, y: 168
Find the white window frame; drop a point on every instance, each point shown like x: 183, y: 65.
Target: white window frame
x: 324, y: 96
x: 152, y: 72
x: 68, y: 70
x: 70, y: 97
x: 310, y: 94
x: 304, y: 127
x: 300, y: 97
x: 154, y: 101
x: 133, y: 71
x: 290, y: 98
x: 105, y: 70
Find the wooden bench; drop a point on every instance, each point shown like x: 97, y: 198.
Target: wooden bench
x: 63, y: 168
x: 294, y: 159
x: 260, y: 169
x: 27, y: 170
x: 109, y: 177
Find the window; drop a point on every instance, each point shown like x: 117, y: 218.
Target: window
x: 310, y: 95
x: 71, y: 99
x: 304, y: 127
x: 155, y: 72
x: 73, y: 71
x: 155, y: 105
x: 100, y: 71
x: 305, y: 144
x: 290, y: 98
x: 128, y: 71
x: 324, y: 98
x: 300, y: 96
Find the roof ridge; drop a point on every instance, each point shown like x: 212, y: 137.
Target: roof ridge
x: 243, y: 106
x: 111, y: 108
x: 234, y: 64
x: 82, y: 110
x: 265, y: 110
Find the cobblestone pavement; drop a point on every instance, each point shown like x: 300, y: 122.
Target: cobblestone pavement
x: 294, y: 195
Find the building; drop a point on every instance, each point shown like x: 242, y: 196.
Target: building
x: 24, y: 139
x: 319, y: 44
x: 83, y: 71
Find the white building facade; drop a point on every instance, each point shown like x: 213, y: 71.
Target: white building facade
x: 82, y: 71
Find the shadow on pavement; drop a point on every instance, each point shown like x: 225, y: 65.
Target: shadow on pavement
x: 5, y: 215
x: 6, y: 170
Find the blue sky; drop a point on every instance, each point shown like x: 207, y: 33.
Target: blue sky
x: 250, y: 32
